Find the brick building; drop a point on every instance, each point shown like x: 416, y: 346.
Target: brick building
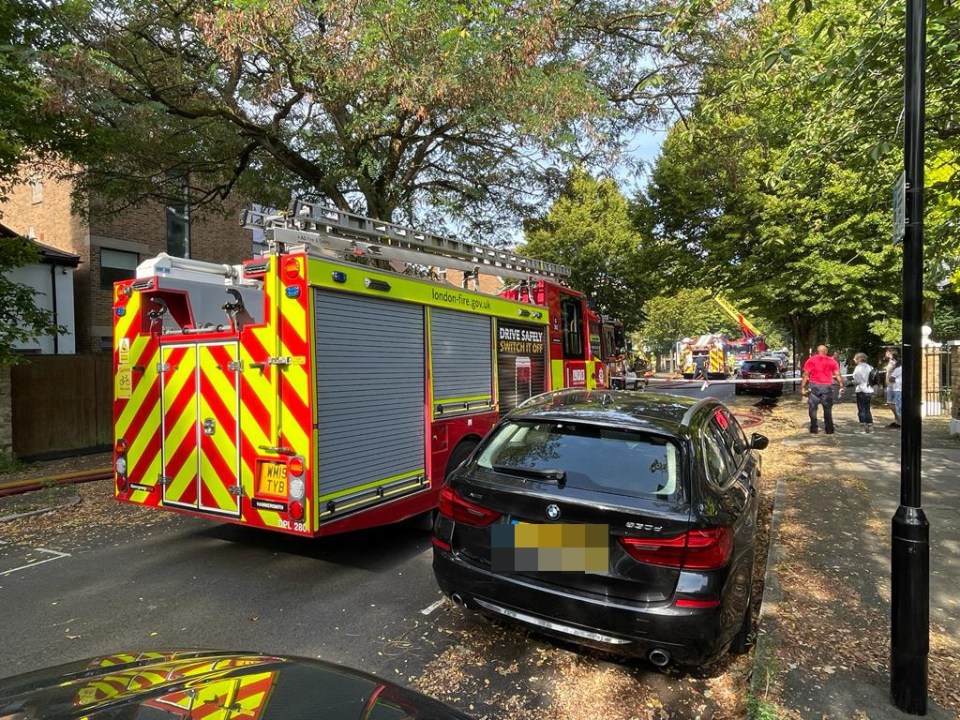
x: 111, y: 247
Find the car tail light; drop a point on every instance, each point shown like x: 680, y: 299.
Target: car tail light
x: 455, y: 507
x: 699, y: 604
x: 706, y: 549
x: 437, y: 542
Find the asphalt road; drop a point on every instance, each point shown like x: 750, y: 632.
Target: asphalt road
x: 202, y: 584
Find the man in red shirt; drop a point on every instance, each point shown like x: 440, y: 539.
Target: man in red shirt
x: 819, y: 372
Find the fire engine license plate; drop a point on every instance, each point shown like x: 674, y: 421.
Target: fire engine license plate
x: 272, y: 480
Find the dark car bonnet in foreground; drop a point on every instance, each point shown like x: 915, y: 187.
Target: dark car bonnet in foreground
x: 207, y: 685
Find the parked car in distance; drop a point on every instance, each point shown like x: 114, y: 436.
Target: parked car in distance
x: 622, y: 521
x: 778, y: 358
x: 211, y: 684
x: 764, y: 378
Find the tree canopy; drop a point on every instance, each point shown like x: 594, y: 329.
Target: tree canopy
x: 589, y: 228
x: 474, y: 110
x: 751, y: 195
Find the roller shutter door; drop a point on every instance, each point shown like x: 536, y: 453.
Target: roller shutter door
x: 461, y: 347
x: 370, y: 392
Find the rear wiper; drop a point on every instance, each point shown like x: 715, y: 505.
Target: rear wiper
x: 557, y: 476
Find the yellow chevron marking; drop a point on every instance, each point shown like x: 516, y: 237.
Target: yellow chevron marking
x: 184, y: 428
x: 223, y: 438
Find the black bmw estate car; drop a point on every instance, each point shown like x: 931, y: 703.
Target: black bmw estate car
x: 623, y: 521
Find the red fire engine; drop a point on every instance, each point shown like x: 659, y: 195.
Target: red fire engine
x: 333, y: 382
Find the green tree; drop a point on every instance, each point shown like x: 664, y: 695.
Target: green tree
x: 20, y: 318
x: 380, y: 106
x: 32, y: 125
x: 589, y: 229
x: 753, y: 198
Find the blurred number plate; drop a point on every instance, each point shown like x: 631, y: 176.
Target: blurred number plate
x: 528, y: 547
x: 272, y: 481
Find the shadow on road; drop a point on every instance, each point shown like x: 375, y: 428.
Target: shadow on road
x: 375, y: 550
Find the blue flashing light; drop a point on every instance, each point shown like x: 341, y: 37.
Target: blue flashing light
x: 339, y: 277
x: 293, y: 291
x: 121, y: 311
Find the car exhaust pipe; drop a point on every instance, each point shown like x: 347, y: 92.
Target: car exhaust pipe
x: 660, y: 658
x: 457, y: 600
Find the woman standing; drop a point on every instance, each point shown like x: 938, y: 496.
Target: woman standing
x: 894, y: 386
x: 864, y: 391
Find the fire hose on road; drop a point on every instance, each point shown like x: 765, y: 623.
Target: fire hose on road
x: 32, y: 484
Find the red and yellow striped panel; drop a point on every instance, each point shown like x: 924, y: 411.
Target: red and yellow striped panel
x: 275, y: 397
x: 137, y: 416
x: 295, y: 338
x: 180, y: 424
x: 219, y: 420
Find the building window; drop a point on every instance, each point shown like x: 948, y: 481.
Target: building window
x: 178, y: 223
x: 116, y: 265
x: 36, y: 190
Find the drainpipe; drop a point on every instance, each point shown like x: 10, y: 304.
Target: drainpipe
x: 53, y: 291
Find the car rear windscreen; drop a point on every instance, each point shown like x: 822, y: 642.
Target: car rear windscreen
x: 760, y: 367
x: 589, y: 457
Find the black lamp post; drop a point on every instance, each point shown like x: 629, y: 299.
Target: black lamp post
x: 910, y: 547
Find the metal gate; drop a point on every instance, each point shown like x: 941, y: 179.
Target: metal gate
x: 935, y: 381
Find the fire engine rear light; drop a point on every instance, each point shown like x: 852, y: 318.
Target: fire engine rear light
x: 703, y: 549
x: 295, y: 465
x: 296, y: 510
x: 291, y: 268
x: 460, y: 510
x: 121, y: 465
x: 121, y: 446
x: 122, y: 483
x: 297, y: 488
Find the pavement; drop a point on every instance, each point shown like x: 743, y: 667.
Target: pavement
x: 822, y: 648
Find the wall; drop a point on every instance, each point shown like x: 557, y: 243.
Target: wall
x: 143, y: 230
x: 41, y: 206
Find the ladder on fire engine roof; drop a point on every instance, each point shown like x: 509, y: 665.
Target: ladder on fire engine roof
x: 334, y: 233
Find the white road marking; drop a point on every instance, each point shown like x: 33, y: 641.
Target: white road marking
x: 430, y: 608
x: 57, y: 556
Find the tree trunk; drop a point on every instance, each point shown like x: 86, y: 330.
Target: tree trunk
x: 804, y: 333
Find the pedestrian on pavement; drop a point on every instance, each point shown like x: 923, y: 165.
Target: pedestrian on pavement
x: 864, y: 391
x: 819, y: 372
x: 897, y: 376
x: 893, y: 362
